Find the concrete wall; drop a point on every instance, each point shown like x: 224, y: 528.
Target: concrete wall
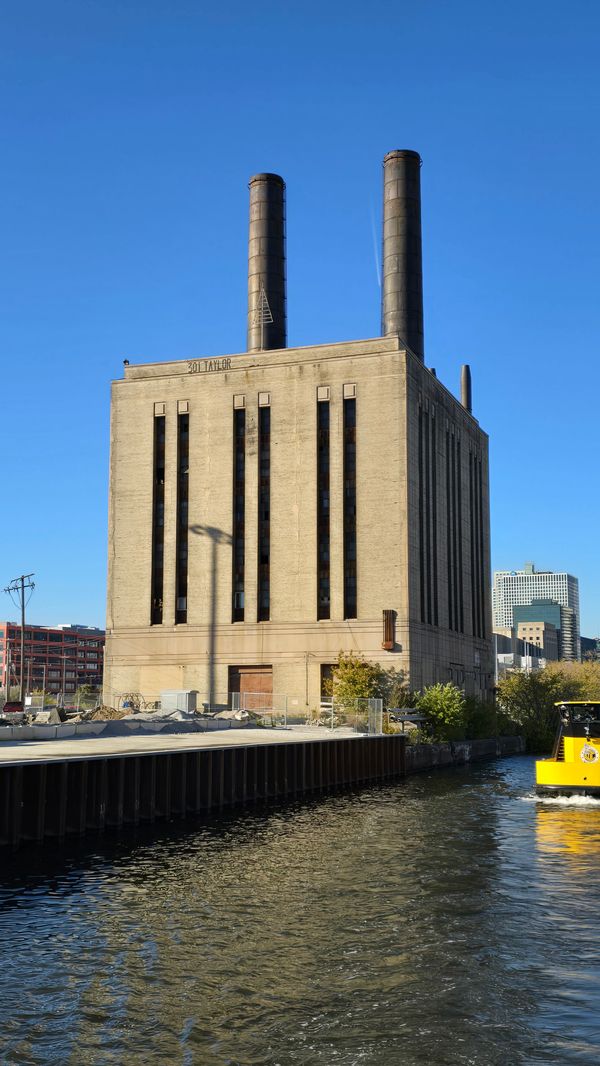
x: 116, y: 728
x: 432, y: 756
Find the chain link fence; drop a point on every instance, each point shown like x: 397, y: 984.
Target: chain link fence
x: 266, y: 708
x: 271, y: 709
x: 360, y: 715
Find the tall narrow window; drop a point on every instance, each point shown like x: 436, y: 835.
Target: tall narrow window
x: 449, y: 573
x: 428, y: 515
x: 482, y: 576
x: 454, y: 548
x: 158, y: 522
x: 350, y: 585
x: 473, y: 547
x: 477, y: 545
x: 323, y: 570
x: 239, y: 514
x: 422, y: 556
x: 434, y: 517
x: 183, y: 464
x: 264, y: 514
x: 459, y: 561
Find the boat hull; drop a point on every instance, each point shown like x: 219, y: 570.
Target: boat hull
x: 574, y: 770
x: 567, y: 790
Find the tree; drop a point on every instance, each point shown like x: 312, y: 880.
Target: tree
x: 394, y: 690
x: 86, y: 696
x: 355, y: 678
x: 579, y: 681
x: 528, y: 700
x: 444, y: 705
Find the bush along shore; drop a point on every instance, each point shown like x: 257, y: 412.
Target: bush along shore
x: 447, y: 714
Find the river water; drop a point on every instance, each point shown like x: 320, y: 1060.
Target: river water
x: 447, y: 919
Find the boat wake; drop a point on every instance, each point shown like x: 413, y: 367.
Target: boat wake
x: 562, y: 801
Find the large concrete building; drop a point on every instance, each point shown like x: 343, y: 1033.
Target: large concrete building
x: 272, y: 508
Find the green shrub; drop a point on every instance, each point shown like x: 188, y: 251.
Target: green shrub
x: 444, y: 706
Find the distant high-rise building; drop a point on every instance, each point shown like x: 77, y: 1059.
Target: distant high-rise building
x: 543, y: 635
x: 528, y: 588
x: 549, y: 613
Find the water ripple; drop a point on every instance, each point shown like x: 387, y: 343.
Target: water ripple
x: 442, y: 920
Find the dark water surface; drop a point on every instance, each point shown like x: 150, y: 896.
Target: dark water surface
x: 448, y: 919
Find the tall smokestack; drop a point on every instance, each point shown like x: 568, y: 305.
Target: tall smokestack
x: 267, y: 326
x: 465, y: 387
x: 402, y: 295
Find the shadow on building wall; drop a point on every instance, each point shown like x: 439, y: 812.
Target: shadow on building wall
x: 216, y: 537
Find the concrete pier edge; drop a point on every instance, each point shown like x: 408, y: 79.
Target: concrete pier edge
x: 49, y: 800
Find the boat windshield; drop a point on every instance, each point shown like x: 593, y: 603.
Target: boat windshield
x: 583, y: 713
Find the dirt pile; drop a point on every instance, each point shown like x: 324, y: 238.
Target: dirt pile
x: 100, y: 714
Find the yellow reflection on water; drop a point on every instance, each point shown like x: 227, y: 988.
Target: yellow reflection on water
x: 568, y: 827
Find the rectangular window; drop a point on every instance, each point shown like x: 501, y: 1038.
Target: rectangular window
x: 478, y: 576
x: 239, y: 513
x: 327, y: 680
x: 264, y: 514
x: 183, y: 464
x: 158, y: 522
x: 323, y: 566
x: 350, y: 582
x: 454, y: 532
x: 459, y: 557
x: 428, y: 475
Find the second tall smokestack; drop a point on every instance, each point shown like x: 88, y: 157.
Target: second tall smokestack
x: 402, y: 282
x: 267, y: 319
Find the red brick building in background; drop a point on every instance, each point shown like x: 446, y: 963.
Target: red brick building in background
x: 60, y: 660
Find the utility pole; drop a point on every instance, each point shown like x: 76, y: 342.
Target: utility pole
x: 66, y: 659
x: 7, y: 659
x: 17, y: 587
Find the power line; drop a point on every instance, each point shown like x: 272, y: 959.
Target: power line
x: 18, y: 587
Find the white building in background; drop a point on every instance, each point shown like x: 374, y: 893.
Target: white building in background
x: 514, y: 588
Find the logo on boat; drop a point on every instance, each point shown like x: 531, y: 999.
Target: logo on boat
x: 589, y: 754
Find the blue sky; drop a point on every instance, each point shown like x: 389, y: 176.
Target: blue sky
x: 129, y: 132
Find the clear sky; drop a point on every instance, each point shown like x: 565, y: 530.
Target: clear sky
x: 129, y: 131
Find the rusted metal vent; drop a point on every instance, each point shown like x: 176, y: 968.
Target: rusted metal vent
x: 389, y: 630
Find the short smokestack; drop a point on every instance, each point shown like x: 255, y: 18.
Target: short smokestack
x: 267, y: 320
x: 465, y: 387
x: 402, y: 294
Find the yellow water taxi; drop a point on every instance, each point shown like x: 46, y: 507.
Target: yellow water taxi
x: 574, y: 766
